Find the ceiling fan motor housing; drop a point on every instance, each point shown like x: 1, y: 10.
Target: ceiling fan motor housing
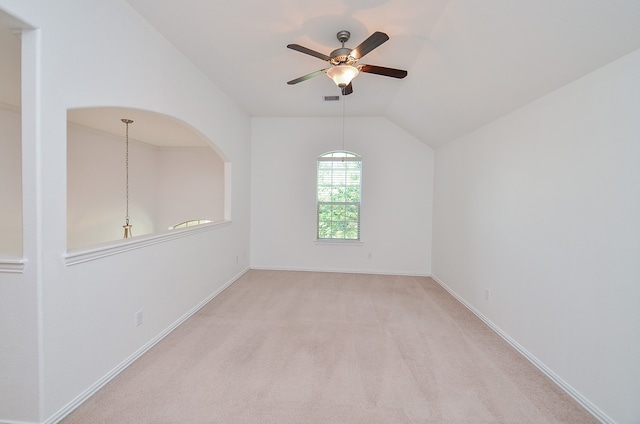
x: 342, y: 56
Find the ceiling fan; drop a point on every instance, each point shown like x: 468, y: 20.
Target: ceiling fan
x: 343, y: 61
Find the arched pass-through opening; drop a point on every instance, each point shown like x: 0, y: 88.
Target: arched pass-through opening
x: 166, y: 173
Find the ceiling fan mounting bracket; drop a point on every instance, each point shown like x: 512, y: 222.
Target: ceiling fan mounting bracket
x: 343, y: 36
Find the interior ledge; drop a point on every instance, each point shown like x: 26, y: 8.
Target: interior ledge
x: 85, y: 254
x: 10, y: 265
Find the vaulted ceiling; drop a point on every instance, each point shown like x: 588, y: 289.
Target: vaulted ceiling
x: 469, y: 61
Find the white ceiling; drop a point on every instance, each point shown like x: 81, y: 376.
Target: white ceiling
x: 469, y: 61
x: 147, y: 127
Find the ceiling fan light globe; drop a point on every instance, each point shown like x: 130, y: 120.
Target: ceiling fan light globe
x: 342, y: 75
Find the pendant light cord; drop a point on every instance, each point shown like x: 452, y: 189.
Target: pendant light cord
x: 344, y: 99
x: 127, y: 174
x: 126, y: 164
x: 127, y: 226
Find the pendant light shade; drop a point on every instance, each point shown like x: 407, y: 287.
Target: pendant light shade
x: 342, y: 74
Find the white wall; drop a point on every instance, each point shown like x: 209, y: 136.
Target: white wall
x: 10, y: 183
x: 166, y: 186
x: 542, y: 207
x: 70, y: 326
x: 191, y: 186
x: 396, y: 196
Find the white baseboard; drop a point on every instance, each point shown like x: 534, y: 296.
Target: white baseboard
x: 345, y: 271
x: 589, y: 406
x: 66, y: 410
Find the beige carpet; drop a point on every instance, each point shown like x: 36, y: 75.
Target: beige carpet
x: 299, y: 347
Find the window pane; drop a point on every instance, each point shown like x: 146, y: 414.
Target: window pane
x: 337, y: 230
x: 324, y: 230
x: 351, y: 213
x: 338, y: 213
x: 324, y: 212
x: 324, y: 193
x: 352, y: 194
x: 352, y: 231
x: 337, y: 194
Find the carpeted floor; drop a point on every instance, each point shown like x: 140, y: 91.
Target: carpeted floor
x: 301, y: 347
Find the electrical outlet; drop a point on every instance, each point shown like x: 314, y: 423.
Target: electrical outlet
x: 369, y: 256
x: 487, y: 294
x: 237, y: 259
x: 138, y: 318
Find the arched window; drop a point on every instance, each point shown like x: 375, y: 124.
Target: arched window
x: 338, y: 196
x: 190, y: 223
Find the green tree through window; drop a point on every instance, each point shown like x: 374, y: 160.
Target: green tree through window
x: 338, y: 196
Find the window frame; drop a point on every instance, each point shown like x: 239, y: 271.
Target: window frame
x: 344, y: 225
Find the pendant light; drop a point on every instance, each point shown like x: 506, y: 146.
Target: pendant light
x: 127, y: 226
x: 342, y: 74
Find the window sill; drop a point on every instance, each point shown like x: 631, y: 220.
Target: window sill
x: 85, y: 254
x: 339, y: 242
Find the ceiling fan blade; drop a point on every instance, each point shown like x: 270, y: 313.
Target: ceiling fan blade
x: 308, y: 76
x: 381, y: 70
x: 347, y: 90
x: 310, y: 52
x: 374, y: 40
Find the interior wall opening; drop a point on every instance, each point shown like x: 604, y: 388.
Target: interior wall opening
x: 10, y: 137
x: 154, y: 175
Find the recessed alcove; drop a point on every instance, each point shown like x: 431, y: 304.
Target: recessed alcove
x: 175, y: 174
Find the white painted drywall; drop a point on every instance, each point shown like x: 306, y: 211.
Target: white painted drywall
x: 10, y: 184
x: 542, y: 207
x: 76, y: 323
x: 190, y: 186
x: 396, y: 196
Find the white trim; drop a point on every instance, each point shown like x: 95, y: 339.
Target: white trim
x: 15, y: 266
x: 82, y: 397
x: 11, y: 108
x: 339, y: 242
x: 77, y: 256
x: 584, y: 402
x: 339, y: 158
